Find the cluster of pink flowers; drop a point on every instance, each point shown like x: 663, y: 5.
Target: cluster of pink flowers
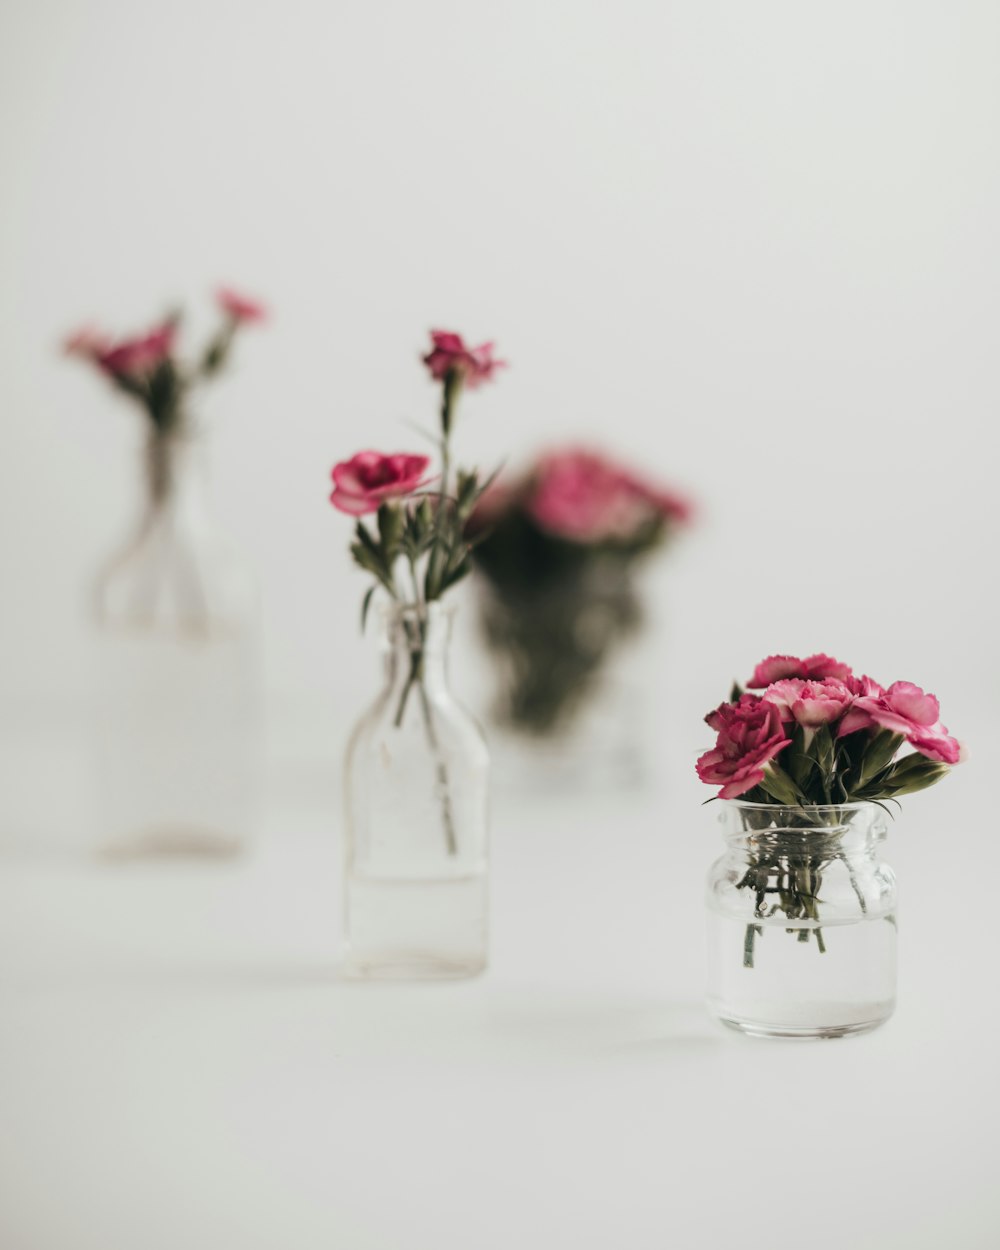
x: 812, y: 693
x: 139, y: 355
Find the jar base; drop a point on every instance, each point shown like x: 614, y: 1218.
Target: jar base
x: 801, y: 1032
x: 411, y: 967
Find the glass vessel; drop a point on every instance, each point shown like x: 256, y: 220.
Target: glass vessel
x: 802, y: 921
x: 178, y: 707
x: 417, y: 778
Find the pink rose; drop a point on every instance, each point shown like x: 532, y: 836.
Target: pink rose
x: 750, y: 736
x: 137, y: 355
x: 812, y: 668
x: 809, y: 703
x: 905, y: 709
x: 582, y: 496
x: 238, y: 307
x: 369, y: 478
x: 449, y: 355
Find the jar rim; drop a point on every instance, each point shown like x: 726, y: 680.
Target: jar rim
x: 853, y: 805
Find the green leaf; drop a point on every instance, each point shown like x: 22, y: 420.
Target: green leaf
x: 796, y: 760
x: 779, y: 785
x: 879, y: 752
x: 455, y: 575
x: 366, y: 603
x: 736, y: 692
x: 390, y: 528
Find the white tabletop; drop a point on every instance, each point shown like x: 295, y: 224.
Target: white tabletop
x: 181, y: 1066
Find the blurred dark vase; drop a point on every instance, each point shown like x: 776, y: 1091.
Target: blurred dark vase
x: 178, y: 729
x: 567, y: 706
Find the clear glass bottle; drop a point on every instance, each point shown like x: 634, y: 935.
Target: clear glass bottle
x: 802, y: 921
x: 178, y: 673
x: 417, y: 783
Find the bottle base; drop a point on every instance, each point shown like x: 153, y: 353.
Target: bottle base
x: 411, y: 967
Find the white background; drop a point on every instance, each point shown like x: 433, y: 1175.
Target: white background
x: 752, y: 245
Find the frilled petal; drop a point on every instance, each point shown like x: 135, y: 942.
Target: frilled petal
x: 353, y: 505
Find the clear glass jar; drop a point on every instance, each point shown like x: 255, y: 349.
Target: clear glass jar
x: 178, y: 708
x: 417, y: 788
x: 802, y: 921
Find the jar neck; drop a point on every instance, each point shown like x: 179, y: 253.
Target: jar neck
x: 846, y: 829
x: 415, y: 642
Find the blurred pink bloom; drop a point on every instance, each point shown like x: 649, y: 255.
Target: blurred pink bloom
x: 87, y: 342
x: 812, y: 668
x: 138, y: 355
x: 585, y: 497
x: 239, y: 307
x: 449, y: 354
x: 369, y: 478
x: 750, y: 735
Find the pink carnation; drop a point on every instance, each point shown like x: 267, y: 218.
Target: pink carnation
x: 238, y: 306
x: 585, y: 497
x: 449, y: 355
x: 750, y: 735
x: 812, y: 668
x: 809, y: 703
x: 137, y: 355
x: 905, y: 709
x: 365, y: 481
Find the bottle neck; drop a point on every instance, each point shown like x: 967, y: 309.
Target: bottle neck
x: 176, y: 476
x: 415, y: 643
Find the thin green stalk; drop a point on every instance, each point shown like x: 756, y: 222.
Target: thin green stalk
x: 415, y: 677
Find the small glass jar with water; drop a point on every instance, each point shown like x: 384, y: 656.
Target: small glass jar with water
x: 802, y: 921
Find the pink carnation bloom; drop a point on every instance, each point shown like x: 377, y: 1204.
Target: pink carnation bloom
x: 750, y: 736
x: 809, y: 703
x: 449, y: 355
x: 137, y: 355
x: 905, y: 709
x: 238, y: 306
x: 584, y: 497
x: 812, y: 668
x: 365, y: 481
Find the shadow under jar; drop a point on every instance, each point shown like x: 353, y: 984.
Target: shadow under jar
x: 417, y: 788
x: 802, y: 921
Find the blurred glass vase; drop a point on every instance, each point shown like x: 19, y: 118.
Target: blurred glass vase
x: 417, y: 778
x: 177, y: 677
x: 178, y: 673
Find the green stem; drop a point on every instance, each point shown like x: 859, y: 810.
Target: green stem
x: 449, y: 394
x: 748, y: 940
x: 415, y: 677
